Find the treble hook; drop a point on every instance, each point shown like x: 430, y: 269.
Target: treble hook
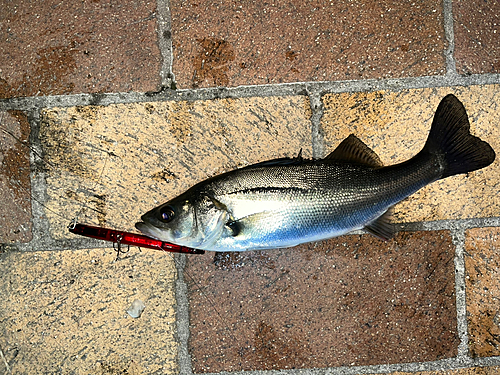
x: 118, y: 247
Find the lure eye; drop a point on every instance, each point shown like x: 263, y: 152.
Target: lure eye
x: 167, y: 214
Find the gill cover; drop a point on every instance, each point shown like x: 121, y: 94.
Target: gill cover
x: 211, y: 217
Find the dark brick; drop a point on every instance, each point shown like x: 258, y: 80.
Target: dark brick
x: 482, y: 282
x: 15, y: 187
x: 246, y: 43
x: 354, y: 300
x: 54, y: 47
x: 477, y: 36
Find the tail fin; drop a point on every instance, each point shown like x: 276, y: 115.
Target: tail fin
x: 450, y: 137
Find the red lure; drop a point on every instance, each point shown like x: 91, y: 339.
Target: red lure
x: 127, y: 238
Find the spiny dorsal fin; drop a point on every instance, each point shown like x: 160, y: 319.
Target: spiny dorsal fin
x: 353, y: 150
x: 280, y: 161
x: 382, y: 227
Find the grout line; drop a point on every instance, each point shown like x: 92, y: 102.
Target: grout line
x: 317, y: 139
x: 439, y: 365
x: 165, y: 42
x: 453, y: 224
x: 182, y: 319
x: 285, y: 89
x: 451, y: 68
x: 458, y: 238
x: 38, y: 186
x: 181, y: 298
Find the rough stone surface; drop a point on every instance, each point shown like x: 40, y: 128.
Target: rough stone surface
x: 477, y: 36
x: 74, y: 47
x: 482, y: 265
x: 65, y: 312
x: 112, y: 164
x: 15, y: 187
x: 256, y: 42
x: 354, y: 300
x: 396, y: 124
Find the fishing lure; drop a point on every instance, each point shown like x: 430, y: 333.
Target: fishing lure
x: 128, y: 238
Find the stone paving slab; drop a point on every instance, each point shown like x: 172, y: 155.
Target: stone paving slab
x: 482, y: 265
x: 119, y: 161
x: 349, y: 301
x: 396, y: 124
x: 65, y: 312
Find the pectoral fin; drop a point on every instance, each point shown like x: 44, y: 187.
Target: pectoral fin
x: 242, y: 226
x: 234, y: 227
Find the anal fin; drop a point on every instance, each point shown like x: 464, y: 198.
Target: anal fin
x: 382, y: 227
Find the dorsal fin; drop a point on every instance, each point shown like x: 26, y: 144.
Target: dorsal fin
x: 280, y: 161
x: 353, y: 150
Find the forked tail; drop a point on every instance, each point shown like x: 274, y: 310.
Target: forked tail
x: 450, y: 138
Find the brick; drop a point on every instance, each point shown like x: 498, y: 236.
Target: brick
x: 115, y: 163
x: 354, y: 300
x: 78, y: 47
x: 65, y: 312
x: 482, y: 269
x: 15, y: 186
x: 477, y: 42
x: 250, y: 43
x: 396, y: 124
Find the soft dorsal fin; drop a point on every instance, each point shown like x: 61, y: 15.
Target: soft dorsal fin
x: 353, y: 150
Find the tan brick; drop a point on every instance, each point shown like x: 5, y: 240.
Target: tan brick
x: 65, y: 312
x: 120, y: 161
x: 482, y: 267
x: 396, y: 124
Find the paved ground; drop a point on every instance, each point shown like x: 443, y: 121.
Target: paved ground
x: 108, y: 109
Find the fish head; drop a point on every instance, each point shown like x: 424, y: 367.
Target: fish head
x: 192, y: 221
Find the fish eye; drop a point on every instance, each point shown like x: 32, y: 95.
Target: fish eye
x: 167, y: 213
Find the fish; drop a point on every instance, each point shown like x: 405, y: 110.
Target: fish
x: 285, y: 202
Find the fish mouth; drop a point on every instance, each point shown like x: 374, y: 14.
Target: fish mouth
x: 146, y: 229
